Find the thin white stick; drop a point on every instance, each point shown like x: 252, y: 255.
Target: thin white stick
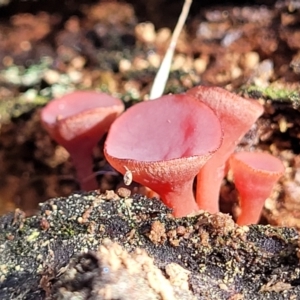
x: 163, y: 72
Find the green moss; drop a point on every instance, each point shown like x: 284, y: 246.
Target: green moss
x: 275, y: 93
x: 15, y: 107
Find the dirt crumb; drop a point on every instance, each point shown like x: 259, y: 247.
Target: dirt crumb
x: 158, y: 233
x: 113, y: 273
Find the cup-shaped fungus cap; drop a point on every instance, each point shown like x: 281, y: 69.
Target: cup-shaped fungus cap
x: 78, y: 121
x: 81, y: 116
x: 164, y: 143
x: 255, y: 174
x: 236, y: 115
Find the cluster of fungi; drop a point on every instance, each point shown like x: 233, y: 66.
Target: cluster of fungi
x: 165, y: 143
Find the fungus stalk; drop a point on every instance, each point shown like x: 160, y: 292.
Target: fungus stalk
x: 77, y: 121
x: 255, y: 174
x: 236, y: 115
x: 142, y: 140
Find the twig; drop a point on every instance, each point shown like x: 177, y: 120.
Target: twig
x: 163, y: 72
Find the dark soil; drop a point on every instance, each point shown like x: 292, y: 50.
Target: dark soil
x: 251, y: 50
x: 221, y: 260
